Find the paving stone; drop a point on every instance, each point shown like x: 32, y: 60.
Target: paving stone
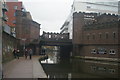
x: 24, y: 68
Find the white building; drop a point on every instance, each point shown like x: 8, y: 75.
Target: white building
x: 106, y: 6
x: 95, y: 6
x: 67, y: 26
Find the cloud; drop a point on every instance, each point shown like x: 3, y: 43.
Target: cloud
x: 51, y: 14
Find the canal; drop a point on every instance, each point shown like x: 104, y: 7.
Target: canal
x: 54, y: 67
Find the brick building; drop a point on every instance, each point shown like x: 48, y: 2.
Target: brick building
x: 22, y: 25
x: 27, y: 30
x: 89, y: 6
x: 13, y: 6
x: 9, y: 42
x: 95, y: 35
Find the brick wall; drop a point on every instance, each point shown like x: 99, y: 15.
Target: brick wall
x: 78, y: 22
x: 26, y: 28
x: 11, y: 12
x: 94, y: 32
x: 8, y: 44
x: 34, y: 30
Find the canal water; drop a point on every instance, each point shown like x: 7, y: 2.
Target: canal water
x: 78, y: 68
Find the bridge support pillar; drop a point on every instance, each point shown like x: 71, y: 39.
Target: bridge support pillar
x: 65, y: 52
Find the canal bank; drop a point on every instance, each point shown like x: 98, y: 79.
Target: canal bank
x: 98, y: 58
x: 24, y: 68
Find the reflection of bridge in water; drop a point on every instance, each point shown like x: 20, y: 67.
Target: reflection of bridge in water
x: 57, y: 39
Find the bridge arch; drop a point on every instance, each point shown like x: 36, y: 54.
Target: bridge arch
x: 57, y: 39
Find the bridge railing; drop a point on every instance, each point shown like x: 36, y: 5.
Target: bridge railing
x: 55, y: 36
x: 58, y: 39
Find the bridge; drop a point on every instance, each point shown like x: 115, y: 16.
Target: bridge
x: 55, y: 39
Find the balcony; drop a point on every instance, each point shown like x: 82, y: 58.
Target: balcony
x: 5, y: 18
x: 14, y: 22
x: 5, y: 8
x: 6, y: 29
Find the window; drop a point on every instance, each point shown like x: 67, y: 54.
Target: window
x: 105, y: 51
x: 14, y: 21
x: 94, y: 68
x: 101, y: 68
x: 26, y: 30
x: 14, y: 13
x: 102, y: 51
x: 88, y: 36
x: 112, y: 51
x: 93, y: 36
x: 106, y: 35
x: 15, y: 7
x: 46, y: 36
x: 100, y: 35
x: 62, y: 37
x: 111, y: 70
x: 88, y: 7
x: 55, y: 36
x: 93, y: 51
x: 49, y: 36
x: 114, y: 35
x: 74, y: 8
x: 24, y: 14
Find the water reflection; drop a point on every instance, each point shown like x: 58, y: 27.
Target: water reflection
x: 96, y: 68
x: 53, y: 58
x: 79, y: 68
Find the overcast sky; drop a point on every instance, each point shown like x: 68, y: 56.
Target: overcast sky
x: 51, y: 14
